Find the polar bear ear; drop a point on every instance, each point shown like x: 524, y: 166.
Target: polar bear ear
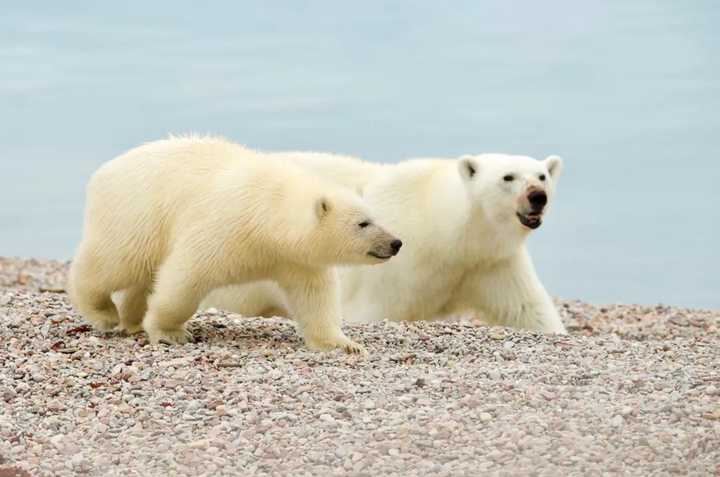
x: 554, y: 166
x: 322, y: 207
x: 467, y: 165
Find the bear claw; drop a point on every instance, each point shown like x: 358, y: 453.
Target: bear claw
x: 104, y: 324
x: 355, y: 348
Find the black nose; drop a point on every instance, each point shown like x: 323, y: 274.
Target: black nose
x: 395, y: 246
x: 537, y: 199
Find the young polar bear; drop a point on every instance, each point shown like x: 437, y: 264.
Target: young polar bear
x: 465, y: 222
x: 171, y: 220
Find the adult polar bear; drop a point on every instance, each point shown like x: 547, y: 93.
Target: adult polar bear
x: 464, y: 223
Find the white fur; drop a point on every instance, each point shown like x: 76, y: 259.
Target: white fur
x: 347, y: 171
x: 464, y: 245
x: 171, y: 220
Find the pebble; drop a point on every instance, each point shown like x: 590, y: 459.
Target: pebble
x: 494, y: 375
x: 57, y: 441
x: 8, y: 394
x: 77, y: 461
x: 201, y: 444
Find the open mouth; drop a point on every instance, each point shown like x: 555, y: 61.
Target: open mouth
x: 378, y: 256
x: 531, y: 221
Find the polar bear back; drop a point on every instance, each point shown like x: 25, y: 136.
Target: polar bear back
x: 346, y: 171
x: 146, y: 198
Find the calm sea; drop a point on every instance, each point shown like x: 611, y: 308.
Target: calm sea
x: 627, y: 92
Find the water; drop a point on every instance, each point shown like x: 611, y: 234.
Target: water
x: 627, y: 92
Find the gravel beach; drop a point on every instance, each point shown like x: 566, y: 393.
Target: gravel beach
x: 633, y: 390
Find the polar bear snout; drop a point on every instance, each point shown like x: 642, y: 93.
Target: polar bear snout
x: 386, y: 249
x: 531, y: 212
x: 537, y: 199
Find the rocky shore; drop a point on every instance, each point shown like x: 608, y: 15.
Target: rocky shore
x: 633, y: 390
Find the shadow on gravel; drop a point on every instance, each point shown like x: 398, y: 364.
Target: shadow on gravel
x: 238, y: 334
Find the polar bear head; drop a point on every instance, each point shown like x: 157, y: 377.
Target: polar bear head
x: 347, y: 233
x: 514, y: 192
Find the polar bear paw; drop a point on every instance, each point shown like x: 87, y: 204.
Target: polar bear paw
x: 169, y: 337
x: 129, y: 329
x: 105, y: 321
x: 327, y: 343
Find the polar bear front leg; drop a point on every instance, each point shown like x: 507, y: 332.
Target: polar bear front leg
x: 178, y: 291
x: 509, y: 294
x: 314, y: 297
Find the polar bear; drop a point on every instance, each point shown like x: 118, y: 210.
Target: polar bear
x: 171, y: 220
x: 465, y: 222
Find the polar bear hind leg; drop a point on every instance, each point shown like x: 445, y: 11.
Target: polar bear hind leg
x: 91, y: 286
x: 132, y: 306
x: 263, y: 298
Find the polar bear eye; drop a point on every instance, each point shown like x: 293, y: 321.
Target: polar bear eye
x: 363, y: 224
x: 542, y: 177
x: 509, y: 178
